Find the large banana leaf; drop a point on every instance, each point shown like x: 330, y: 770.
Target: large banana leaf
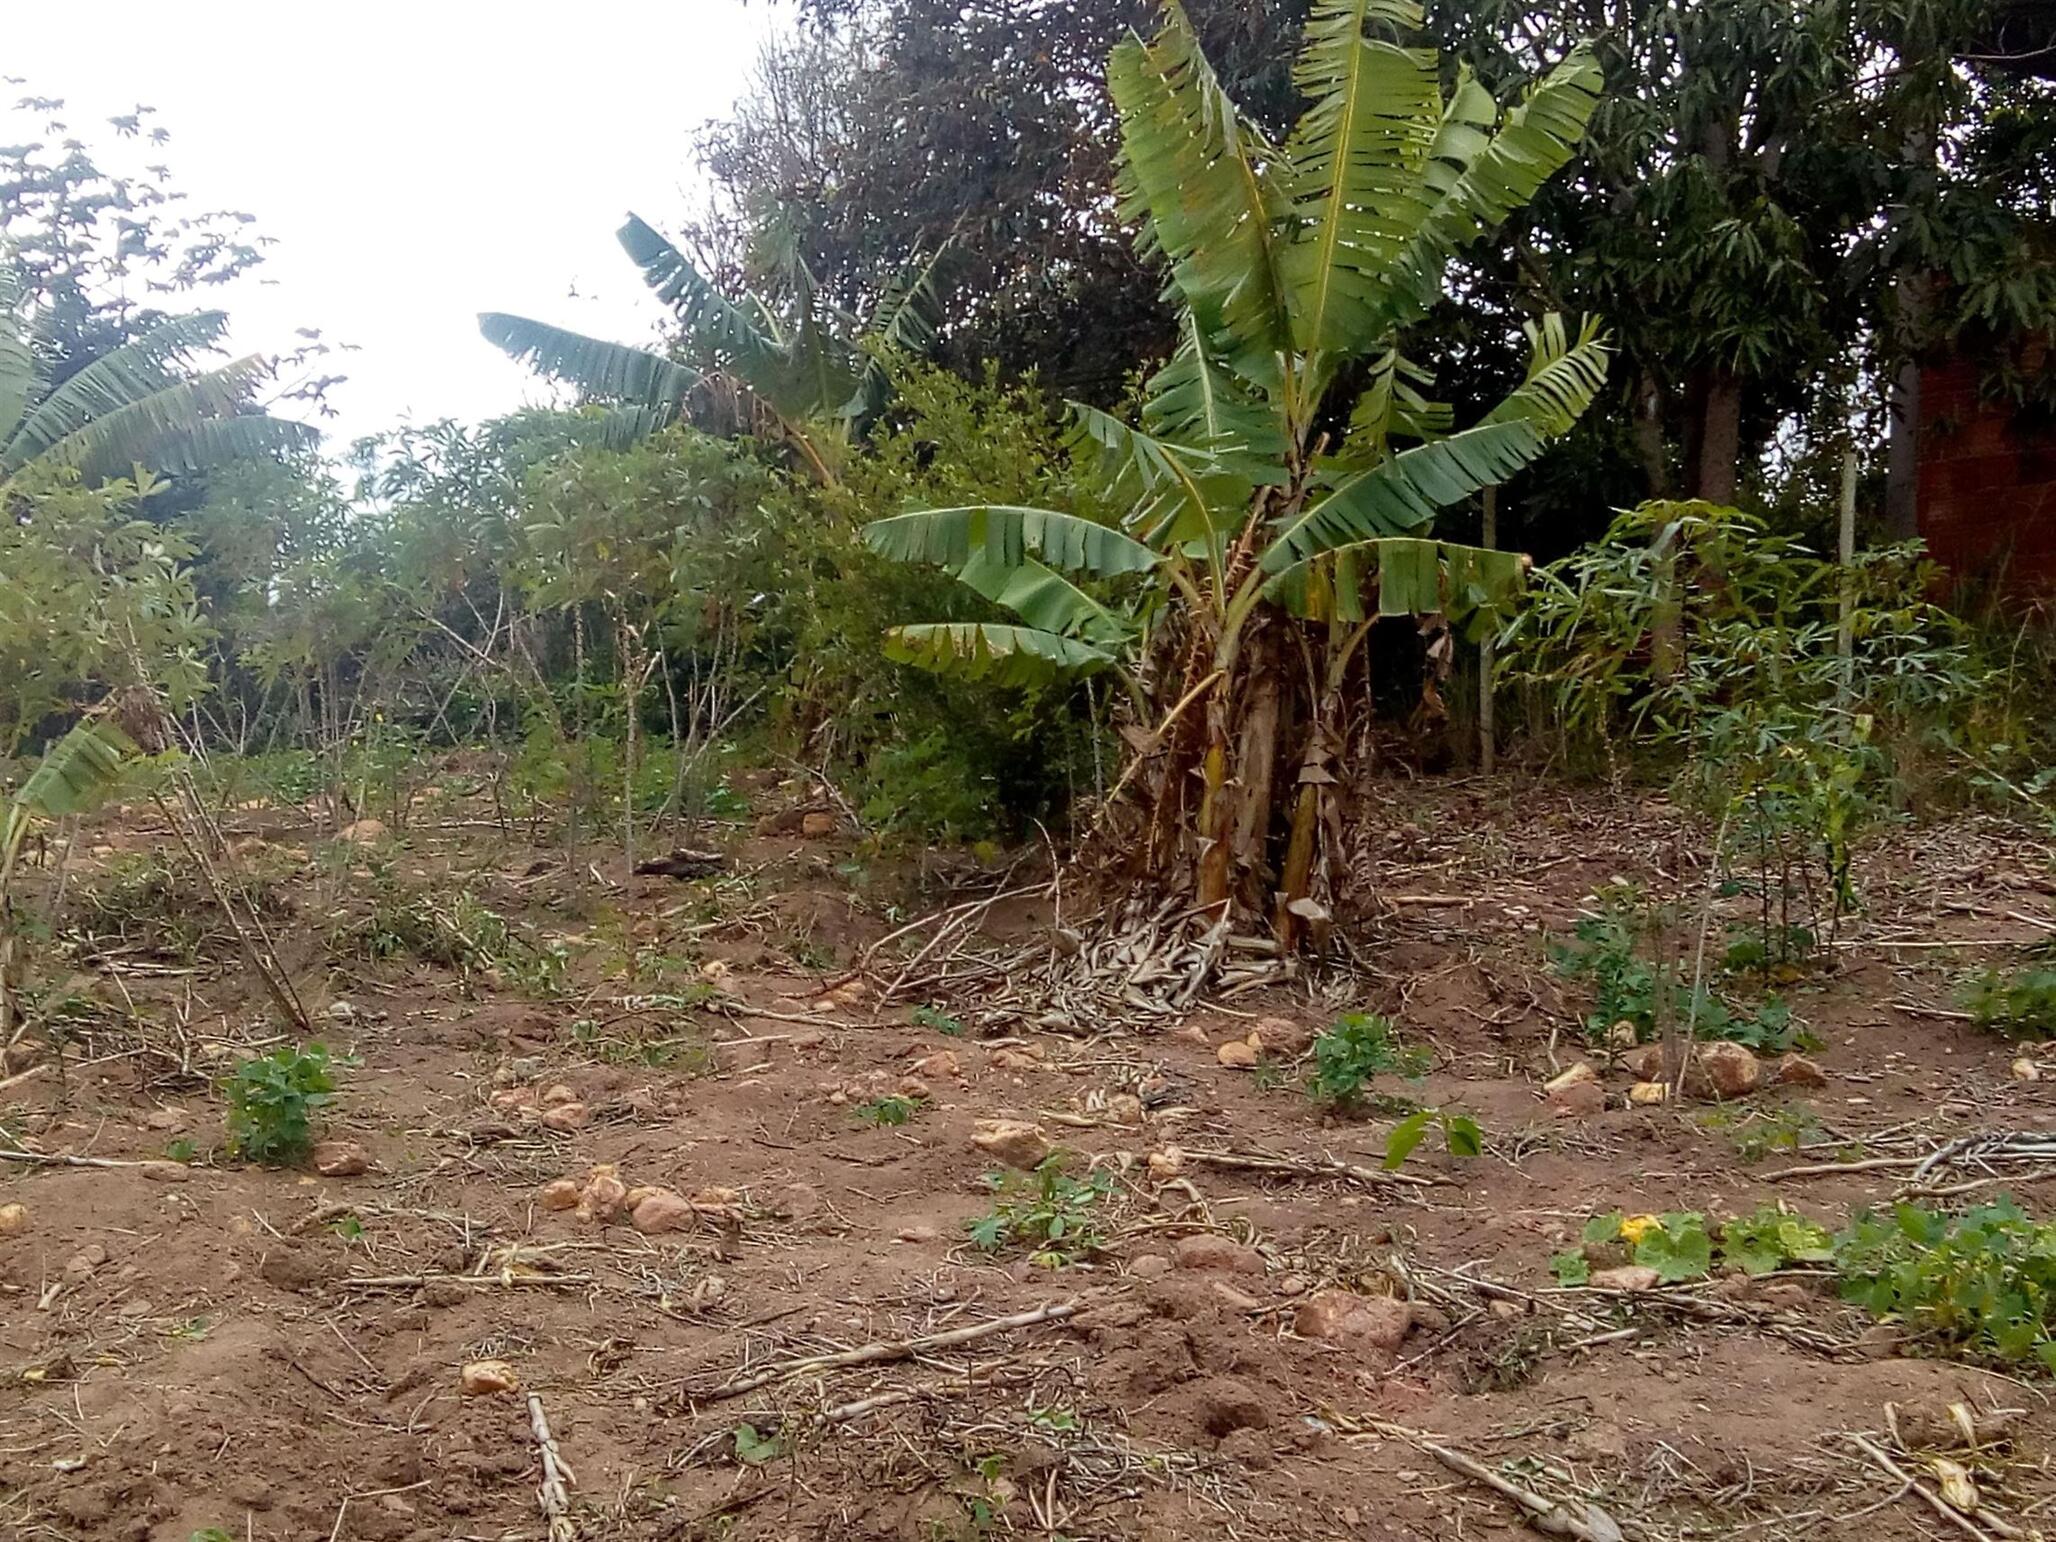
x: 1004, y: 534
x: 1194, y: 400
x: 1197, y: 176
x: 1401, y: 495
x: 17, y: 365
x: 905, y: 318
x: 1354, y: 174
x: 609, y: 371
x: 1003, y: 655
x: 1392, y: 404
x: 77, y: 774
x: 109, y: 444
x: 1413, y: 577
x: 222, y: 441
x: 118, y: 379
x: 740, y: 337
x: 1480, y: 179
x: 1044, y: 598
x: 1563, y: 376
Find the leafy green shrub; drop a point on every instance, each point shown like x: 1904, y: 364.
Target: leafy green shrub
x: 1627, y: 988
x: 459, y: 933
x: 1674, y: 1244
x: 1359, y: 1047
x: 1048, y: 1212
x: 1983, y: 1283
x: 2019, y: 1005
x: 272, y: 1101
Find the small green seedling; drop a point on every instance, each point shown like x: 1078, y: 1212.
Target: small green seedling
x: 272, y: 1101
x: 930, y: 1016
x: 1461, y: 1136
x: 1048, y: 1212
x: 888, y: 1112
x: 2020, y: 1005
x: 753, y: 1448
x: 1772, y: 1238
x: 1359, y: 1047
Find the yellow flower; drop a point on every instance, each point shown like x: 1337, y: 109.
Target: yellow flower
x: 1635, y: 1226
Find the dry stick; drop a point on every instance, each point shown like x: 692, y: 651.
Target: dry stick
x: 1819, y: 1169
x: 416, y: 1281
x: 1546, y: 1515
x: 555, y: 1503
x: 43, y: 1159
x: 873, y: 1354
x: 21, y: 1076
x: 1322, y: 1167
x: 1935, y: 1501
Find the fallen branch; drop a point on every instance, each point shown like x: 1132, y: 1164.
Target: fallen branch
x: 416, y: 1281
x: 45, y: 1159
x: 902, y: 1349
x: 551, y: 1495
x: 1545, y: 1515
x: 1935, y: 1501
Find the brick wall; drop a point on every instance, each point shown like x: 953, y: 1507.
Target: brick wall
x: 1987, y: 487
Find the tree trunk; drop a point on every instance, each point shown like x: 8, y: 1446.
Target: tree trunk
x: 1716, y: 467
x: 1651, y: 445
x: 1902, y: 455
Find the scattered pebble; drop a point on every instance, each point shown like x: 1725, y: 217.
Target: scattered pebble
x: 14, y: 1220
x: 1015, y: 1142
x: 488, y: 1378
x: 341, y: 1159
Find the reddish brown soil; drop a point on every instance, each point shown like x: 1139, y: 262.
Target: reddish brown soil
x: 206, y: 1353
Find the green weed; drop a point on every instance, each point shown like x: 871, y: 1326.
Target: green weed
x: 272, y: 1101
x: 2016, y: 1005
x: 1359, y: 1047
x: 1048, y: 1212
x: 888, y: 1112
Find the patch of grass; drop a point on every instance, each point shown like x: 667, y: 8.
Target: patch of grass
x: 1762, y: 1132
x: 1048, y: 1212
x: 455, y: 932
x: 2020, y: 1004
x: 272, y: 1101
x: 1359, y: 1047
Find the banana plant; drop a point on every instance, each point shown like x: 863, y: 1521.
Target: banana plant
x: 76, y: 775
x: 141, y: 404
x: 814, y: 370
x: 1272, y: 519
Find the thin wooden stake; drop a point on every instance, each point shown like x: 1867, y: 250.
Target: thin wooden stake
x: 1488, y: 738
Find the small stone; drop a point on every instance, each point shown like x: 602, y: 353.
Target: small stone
x: 917, y: 1232
x: 1796, y: 1070
x: 488, y: 1378
x: 817, y: 825
x: 1010, y: 1059
x: 1376, y: 1323
x: 1192, y: 1033
x: 558, y: 1194
x: 85, y: 1260
x: 507, y: 1099
x: 1578, y: 1075
x: 1238, y: 1054
x: 1012, y: 1141
x: 942, y: 1063
x: 557, y: 1096
x: 1293, y: 1285
x: 341, y: 1159
x: 1167, y: 1163
x: 166, y: 1172
x: 912, y: 1087
x: 1237, y: 1300
x: 14, y: 1220
x: 1625, y: 1277
x: 565, y: 1117
x: 1124, y: 1108
x: 165, y: 1119
x: 717, y: 1196
x: 1503, y: 1309
x: 1216, y: 1254
x: 1150, y: 1266
x: 340, y: 1011
x: 1728, y: 1070
x: 2025, y: 1070
x: 1579, y: 1100
x: 1646, y: 1063
x: 1281, y: 1037
x: 1643, y: 1094
x: 1622, y: 1035
x: 664, y: 1211
x: 526, y: 1068
x: 604, y: 1197
x: 365, y: 832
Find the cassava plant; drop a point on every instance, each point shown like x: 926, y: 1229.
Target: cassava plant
x: 1283, y: 484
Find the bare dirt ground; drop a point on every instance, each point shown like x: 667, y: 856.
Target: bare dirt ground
x: 278, y: 1354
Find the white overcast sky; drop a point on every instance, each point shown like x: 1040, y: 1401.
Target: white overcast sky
x: 417, y: 163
